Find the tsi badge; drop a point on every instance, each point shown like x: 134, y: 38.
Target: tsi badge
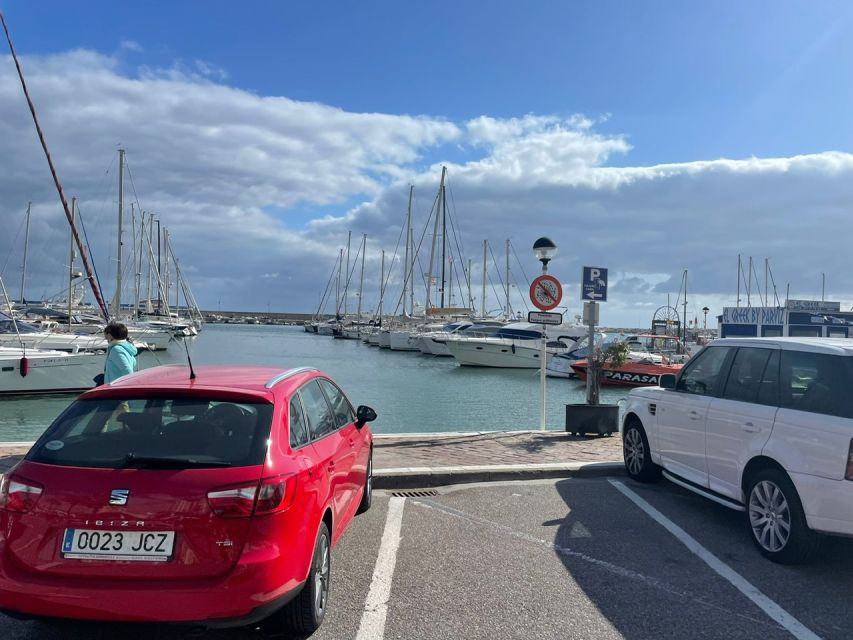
x: 119, y: 496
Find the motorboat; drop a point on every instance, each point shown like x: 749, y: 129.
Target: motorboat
x: 517, y: 345
x: 31, y: 371
x: 649, y: 357
x: 559, y: 365
x: 435, y: 343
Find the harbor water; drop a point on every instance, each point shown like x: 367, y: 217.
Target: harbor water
x: 410, y: 392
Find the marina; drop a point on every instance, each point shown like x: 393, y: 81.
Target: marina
x: 411, y: 392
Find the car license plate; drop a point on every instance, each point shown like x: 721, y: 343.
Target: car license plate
x: 94, y: 544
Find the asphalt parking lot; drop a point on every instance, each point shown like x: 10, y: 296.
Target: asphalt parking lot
x: 573, y: 558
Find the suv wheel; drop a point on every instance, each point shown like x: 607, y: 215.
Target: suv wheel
x: 776, y: 518
x: 636, y: 453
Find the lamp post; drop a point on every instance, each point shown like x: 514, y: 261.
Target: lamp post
x: 544, y: 249
x: 705, y: 310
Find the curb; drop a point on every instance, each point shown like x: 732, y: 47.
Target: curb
x: 417, y: 477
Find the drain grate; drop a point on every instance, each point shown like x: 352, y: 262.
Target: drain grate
x: 420, y: 493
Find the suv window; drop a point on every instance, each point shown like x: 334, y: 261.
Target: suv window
x: 341, y: 407
x: 769, y: 392
x: 746, y: 373
x: 321, y: 420
x: 298, y: 427
x: 816, y: 382
x: 702, y: 374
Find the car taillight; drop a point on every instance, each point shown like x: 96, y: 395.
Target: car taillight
x: 17, y: 494
x: 849, y: 474
x: 241, y: 501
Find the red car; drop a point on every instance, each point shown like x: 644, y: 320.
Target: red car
x: 212, y: 501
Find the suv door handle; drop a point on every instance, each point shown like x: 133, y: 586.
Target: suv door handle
x: 750, y: 428
x: 694, y: 415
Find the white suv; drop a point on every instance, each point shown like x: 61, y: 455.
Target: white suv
x: 761, y: 425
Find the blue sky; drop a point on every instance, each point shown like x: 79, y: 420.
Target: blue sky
x: 685, y: 79
x: 303, y: 121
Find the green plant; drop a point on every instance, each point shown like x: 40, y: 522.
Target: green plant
x: 614, y: 354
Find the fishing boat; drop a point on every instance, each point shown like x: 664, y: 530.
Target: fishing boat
x: 31, y: 371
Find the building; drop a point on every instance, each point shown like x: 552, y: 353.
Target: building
x: 798, y: 318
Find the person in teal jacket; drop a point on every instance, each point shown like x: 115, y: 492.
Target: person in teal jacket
x: 121, y: 355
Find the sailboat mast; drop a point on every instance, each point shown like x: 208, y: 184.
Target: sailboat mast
x: 381, y: 286
x: 408, y: 284
x: 443, y: 235
x: 137, y: 280
x: 361, y: 282
x: 468, y: 282
x: 150, y: 264
x: 483, y: 296
x: 159, y: 273
x: 508, y: 307
x: 71, y: 266
x: 432, y: 248
x: 117, y: 299
x: 26, y: 246
x: 338, y: 287
x: 346, y: 281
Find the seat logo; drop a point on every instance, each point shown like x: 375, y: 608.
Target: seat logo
x: 119, y: 496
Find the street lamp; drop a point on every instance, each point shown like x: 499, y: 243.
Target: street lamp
x: 705, y: 310
x: 544, y: 249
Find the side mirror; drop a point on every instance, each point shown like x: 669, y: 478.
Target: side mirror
x: 364, y: 414
x: 667, y: 381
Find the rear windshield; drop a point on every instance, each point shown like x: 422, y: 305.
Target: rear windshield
x: 162, y: 432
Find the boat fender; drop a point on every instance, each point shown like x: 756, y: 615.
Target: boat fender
x: 25, y: 366
x: 513, y: 349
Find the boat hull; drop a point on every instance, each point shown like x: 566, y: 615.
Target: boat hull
x: 630, y: 374
x: 505, y: 354
x: 49, y: 373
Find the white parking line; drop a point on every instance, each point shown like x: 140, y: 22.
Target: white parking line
x: 777, y: 613
x: 372, y: 625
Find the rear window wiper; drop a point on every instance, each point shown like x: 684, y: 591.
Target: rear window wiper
x: 133, y: 461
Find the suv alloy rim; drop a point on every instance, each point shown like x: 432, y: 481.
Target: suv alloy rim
x: 769, y: 516
x: 635, y: 452
x: 321, y: 577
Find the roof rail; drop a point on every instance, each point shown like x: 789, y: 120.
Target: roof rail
x: 286, y: 374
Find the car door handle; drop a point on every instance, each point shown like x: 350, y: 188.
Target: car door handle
x: 694, y: 415
x: 750, y: 428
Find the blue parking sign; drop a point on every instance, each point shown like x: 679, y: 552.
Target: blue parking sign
x: 594, y: 284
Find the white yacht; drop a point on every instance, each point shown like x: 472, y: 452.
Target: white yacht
x: 517, y: 345
x: 18, y: 334
x: 26, y: 371
x: 434, y: 343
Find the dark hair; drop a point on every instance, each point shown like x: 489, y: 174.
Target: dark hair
x: 117, y: 330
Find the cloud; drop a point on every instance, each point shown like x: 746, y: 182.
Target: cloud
x: 250, y: 184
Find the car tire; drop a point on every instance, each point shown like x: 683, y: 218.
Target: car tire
x: 304, y: 614
x: 776, y: 520
x: 367, y: 496
x: 637, y: 454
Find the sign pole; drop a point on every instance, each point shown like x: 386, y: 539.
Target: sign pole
x: 591, y: 349
x: 542, y: 378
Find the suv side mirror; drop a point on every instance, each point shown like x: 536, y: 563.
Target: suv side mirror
x: 364, y: 414
x: 667, y: 381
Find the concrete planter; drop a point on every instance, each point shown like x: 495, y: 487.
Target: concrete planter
x: 601, y: 419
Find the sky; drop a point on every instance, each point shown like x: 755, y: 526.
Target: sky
x: 647, y: 138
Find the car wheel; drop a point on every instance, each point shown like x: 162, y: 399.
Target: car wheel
x: 367, y: 496
x: 636, y: 453
x: 776, y: 518
x: 306, y: 611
